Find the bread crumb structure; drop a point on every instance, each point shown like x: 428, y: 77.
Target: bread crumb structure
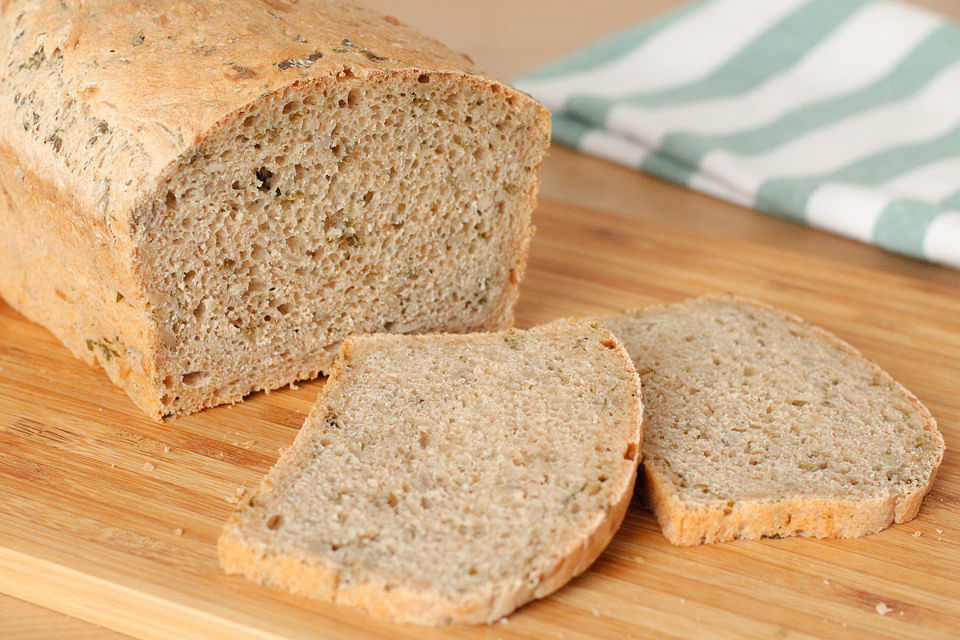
x: 882, y: 608
x: 449, y: 479
x: 759, y: 424
x: 205, y: 205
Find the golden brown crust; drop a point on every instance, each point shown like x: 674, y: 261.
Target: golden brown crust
x: 166, y: 72
x: 46, y: 259
x: 313, y: 578
x: 687, y: 522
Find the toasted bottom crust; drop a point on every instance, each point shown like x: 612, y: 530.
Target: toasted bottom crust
x: 320, y: 581
x: 686, y: 523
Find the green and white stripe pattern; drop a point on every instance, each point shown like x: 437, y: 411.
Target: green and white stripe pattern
x: 841, y: 114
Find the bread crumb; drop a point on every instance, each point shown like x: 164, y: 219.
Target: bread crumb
x: 939, y: 530
x: 248, y: 444
x: 901, y: 613
x: 281, y: 449
x: 294, y: 386
x: 166, y: 448
x: 917, y: 534
x: 882, y: 608
x: 237, y: 497
x: 149, y: 466
x: 178, y: 531
x: 113, y: 465
x: 503, y: 620
x: 595, y: 612
x: 826, y: 582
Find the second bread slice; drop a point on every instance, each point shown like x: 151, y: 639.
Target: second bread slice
x: 447, y: 479
x: 759, y: 424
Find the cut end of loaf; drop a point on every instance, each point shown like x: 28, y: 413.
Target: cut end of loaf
x: 205, y: 198
x: 450, y: 479
x: 759, y: 424
x: 366, y: 202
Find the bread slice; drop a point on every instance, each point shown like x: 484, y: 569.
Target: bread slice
x: 759, y: 424
x: 450, y: 479
x: 206, y: 198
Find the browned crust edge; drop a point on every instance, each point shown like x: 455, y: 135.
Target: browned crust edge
x: 686, y: 523
x: 318, y: 580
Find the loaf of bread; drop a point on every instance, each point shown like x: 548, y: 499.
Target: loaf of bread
x: 450, y: 479
x: 205, y: 198
x: 759, y: 424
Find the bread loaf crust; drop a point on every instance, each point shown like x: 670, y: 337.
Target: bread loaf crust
x: 102, y: 101
x: 161, y: 75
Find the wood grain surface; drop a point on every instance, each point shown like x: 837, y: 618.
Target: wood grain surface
x: 113, y: 518
x: 20, y: 620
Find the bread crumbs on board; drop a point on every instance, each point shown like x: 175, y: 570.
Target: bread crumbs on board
x: 149, y: 466
x: 178, y: 531
x: 883, y: 609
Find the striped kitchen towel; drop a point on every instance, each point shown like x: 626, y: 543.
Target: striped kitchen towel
x: 841, y: 114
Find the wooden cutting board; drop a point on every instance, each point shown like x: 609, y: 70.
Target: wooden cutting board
x: 111, y: 517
